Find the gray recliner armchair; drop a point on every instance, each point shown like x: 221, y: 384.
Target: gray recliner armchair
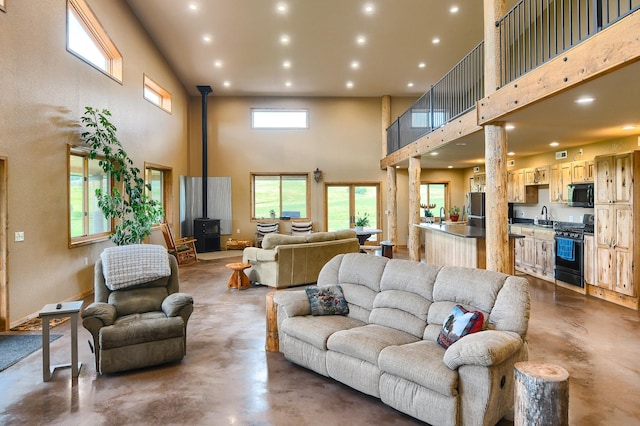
x: 143, y: 321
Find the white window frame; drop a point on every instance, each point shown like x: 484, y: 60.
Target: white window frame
x: 277, y: 118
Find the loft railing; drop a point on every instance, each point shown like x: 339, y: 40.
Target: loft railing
x: 455, y: 94
x: 531, y: 33
x: 535, y: 31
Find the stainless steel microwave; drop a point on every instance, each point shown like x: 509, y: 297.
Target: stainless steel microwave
x: 580, y: 195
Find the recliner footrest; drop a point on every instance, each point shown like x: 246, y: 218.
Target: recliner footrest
x: 126, y: 333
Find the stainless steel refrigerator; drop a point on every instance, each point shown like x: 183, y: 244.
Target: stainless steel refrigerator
x: 476, y: 212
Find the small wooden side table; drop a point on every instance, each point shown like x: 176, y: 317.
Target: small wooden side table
x: 238, y: 279
x: 50, y: 311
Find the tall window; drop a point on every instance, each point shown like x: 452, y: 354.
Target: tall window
x: 160, y: 178
x: 86, y: 221
x: 88, y: 40
x: 276, y: 195
x: 434, y: 193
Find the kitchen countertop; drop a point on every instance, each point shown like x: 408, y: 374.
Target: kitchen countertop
x: 459, y: 230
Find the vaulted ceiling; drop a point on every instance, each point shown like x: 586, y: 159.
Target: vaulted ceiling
x: 356, y: 48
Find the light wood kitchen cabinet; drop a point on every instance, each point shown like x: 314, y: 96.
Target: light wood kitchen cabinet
x: 614, y: 179
x: 536, y: 176
x: 559, y: 178
x: 545, y: 254
x: 614, y: 248
x: 582, y: 171
x: 589, y: 261
x: 535, y: 253
x: 517, y: 191
x: 616, y: 278
x: 479, y: 182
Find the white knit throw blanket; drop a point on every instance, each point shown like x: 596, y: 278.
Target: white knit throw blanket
x: 127, y: 266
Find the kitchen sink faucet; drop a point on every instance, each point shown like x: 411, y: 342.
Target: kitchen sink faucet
x: 544, y: 213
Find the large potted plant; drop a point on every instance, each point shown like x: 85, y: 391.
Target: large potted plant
x: 128, y: 202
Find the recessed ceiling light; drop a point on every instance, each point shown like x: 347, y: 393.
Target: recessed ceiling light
x: 282, y: 8
x: 433, y: 153
x: 628, y: 127
x: 554, y: 144
x: 509, y: 127
x: 226, y: 83
x: 361, y: 40
x: 369, y: 9
x: 422, y: 65
x: 511, y: 153
x: 206, y: 38
x: 461, y: 144
x: 288, y: 83
x: 285, y: 39
x: 349, y: 84
x: 355, y: 65
x: 217, y: 63
x: 409, y: 84
x: 193, y: 6
x: 449, y: 167
x: 585, y: 100
x: 454, y: 9
x: 286, y: 64
x: 435, y: 40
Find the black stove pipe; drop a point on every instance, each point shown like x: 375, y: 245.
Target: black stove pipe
x: 204, y: 90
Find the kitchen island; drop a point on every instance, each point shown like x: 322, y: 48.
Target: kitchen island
x: 459, y: 245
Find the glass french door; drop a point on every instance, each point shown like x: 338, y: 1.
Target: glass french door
x: 344, y: 202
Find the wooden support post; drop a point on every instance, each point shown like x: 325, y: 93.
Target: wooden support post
x: 495, y: 150
x: 414, y: 208
x: 272, y: 343
x: 541, y: 395
x: 496, y: 203
x: 392, y: 205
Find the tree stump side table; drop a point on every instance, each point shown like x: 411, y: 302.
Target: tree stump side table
x: 238, y: 279
x: 541, y: 394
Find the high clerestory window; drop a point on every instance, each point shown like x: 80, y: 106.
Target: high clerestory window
x: 156, y: 94
x: 87, y: 40
x: 279, y: 118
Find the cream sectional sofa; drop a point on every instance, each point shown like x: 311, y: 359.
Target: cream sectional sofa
x: 287, y: 260
x: 386, y: 346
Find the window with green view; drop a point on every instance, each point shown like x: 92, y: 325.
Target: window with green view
x: 86, y: 221
x: 433, y: 193
x: 276, y: 195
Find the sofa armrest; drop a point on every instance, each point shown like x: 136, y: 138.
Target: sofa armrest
x: 103, y: 312
x: 254, y: 255
x: 485, y: 348
x: 174, y: 303
x: 293, y: 303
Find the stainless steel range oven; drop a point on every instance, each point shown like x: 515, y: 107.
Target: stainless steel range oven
x: 569, y: 241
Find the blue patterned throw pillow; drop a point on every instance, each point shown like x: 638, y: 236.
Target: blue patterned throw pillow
x: 458, y: 324
x: 327, y: 300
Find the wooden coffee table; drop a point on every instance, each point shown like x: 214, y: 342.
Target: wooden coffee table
x: 238, y: 279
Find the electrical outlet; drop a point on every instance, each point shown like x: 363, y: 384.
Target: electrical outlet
x: 86, y: 261
x: 238, y: 231
x: 19, y: 236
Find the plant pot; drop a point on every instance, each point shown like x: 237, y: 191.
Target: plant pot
x: 359, y: 228
x: 454, y: 217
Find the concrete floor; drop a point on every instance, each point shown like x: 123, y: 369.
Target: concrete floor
x: 228, y: 379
